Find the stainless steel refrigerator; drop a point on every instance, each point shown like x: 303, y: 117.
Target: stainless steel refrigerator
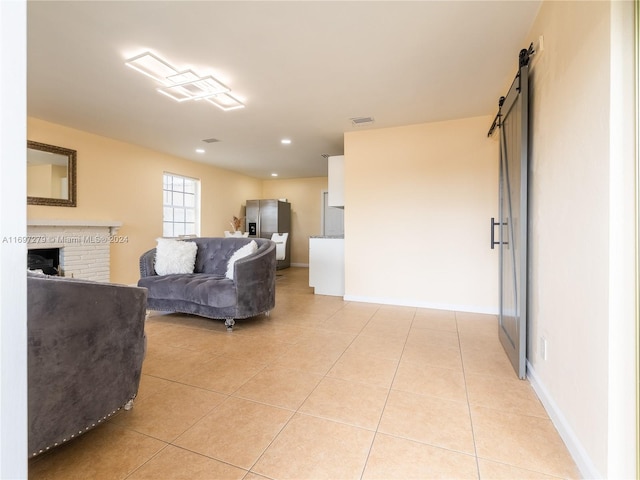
x: 265, y: 217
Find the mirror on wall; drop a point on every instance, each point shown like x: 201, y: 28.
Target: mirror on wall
x: 51, y: 175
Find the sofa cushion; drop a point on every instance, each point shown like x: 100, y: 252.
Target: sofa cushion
x: 201, y: 288
x: 175, y: 256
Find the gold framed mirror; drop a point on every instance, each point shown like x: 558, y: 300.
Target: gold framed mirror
x: 51, y: 175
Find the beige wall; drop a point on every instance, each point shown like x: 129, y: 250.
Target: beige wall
x: 304, y: 194
x: 418, y: 203
x: 581, y: 221
x: 123, y: 182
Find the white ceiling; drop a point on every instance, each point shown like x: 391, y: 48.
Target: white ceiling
x: 303, y: 69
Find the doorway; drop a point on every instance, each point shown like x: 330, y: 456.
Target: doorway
x: 332, y: 218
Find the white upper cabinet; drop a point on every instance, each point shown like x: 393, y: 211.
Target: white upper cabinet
x: 336, y: 181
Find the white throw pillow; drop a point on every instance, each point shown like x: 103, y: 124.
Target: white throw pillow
x: 242, y: 252
x: 175, y: 256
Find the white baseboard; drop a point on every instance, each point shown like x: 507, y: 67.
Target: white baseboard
x: 577, y: 451
x: 303, y: 265
x: 422, y: 304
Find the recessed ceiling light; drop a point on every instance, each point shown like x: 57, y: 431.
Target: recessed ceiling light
x: 285, y: 141
x: 274, y: 174
x: 199, y: 150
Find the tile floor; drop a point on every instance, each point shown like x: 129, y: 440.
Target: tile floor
x: 322, y: 389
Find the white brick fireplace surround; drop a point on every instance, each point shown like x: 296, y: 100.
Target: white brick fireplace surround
x: 84, y: 245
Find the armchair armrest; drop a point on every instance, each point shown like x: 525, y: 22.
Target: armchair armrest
x: 147, y: 261
x: 85, y: 349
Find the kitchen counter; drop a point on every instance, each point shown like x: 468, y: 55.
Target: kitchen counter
x: 326, y: 264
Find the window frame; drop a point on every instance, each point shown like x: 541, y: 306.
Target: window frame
x: 174, y: 204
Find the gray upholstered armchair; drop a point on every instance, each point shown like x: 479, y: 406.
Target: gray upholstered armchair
x: 85, y: 350
x: 208, y: 291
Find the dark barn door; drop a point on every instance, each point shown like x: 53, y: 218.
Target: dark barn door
x: 512, y: 122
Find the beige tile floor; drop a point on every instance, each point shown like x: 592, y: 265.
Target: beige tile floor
x: 322, y: 389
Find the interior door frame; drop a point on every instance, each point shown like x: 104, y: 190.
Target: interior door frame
x: 637, y: 226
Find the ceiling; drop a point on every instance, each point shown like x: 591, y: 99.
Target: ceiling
x: 303, y: 69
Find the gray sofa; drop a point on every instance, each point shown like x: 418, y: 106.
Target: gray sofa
x: 85, y: 350
x: 208, y: 292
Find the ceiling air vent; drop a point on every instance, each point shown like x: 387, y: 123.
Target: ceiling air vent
x: 362, y: 121
x: 210, y: 140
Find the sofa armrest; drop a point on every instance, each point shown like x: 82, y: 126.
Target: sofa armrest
x: 147, y: 262
x: 86, y: 345
x: 255, y: 279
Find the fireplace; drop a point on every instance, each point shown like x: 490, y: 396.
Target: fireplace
x: 84, y: 246
x: 45, y: 259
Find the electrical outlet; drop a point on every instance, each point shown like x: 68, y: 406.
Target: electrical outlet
x: 540, y: 48
x: 543, y: 348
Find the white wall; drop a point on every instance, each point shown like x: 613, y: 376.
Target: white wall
x: 13, y: 285
x: 622, y: 443
x: 418, y: 203
x: 581, y: 295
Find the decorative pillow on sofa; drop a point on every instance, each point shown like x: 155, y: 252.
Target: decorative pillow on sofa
x: 175, y: 256
x: 242, y: 252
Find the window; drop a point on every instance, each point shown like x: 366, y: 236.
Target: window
x: 181, y: 205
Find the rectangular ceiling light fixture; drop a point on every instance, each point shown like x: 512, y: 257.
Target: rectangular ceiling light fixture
x: 200, y: 88
x: 151, y: 66
x: 183, y: 77
x: 225, y: 102
x: 183, y: 85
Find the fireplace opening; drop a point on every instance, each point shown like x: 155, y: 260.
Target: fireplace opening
x: 45, y: 259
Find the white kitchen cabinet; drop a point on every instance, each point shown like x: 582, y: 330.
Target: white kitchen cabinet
x: 326, y: 265
x: 336, y: 181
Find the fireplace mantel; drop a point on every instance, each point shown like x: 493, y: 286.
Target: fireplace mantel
x: 112, y: 225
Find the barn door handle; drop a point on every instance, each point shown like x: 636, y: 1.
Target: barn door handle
x: 494, y: 224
